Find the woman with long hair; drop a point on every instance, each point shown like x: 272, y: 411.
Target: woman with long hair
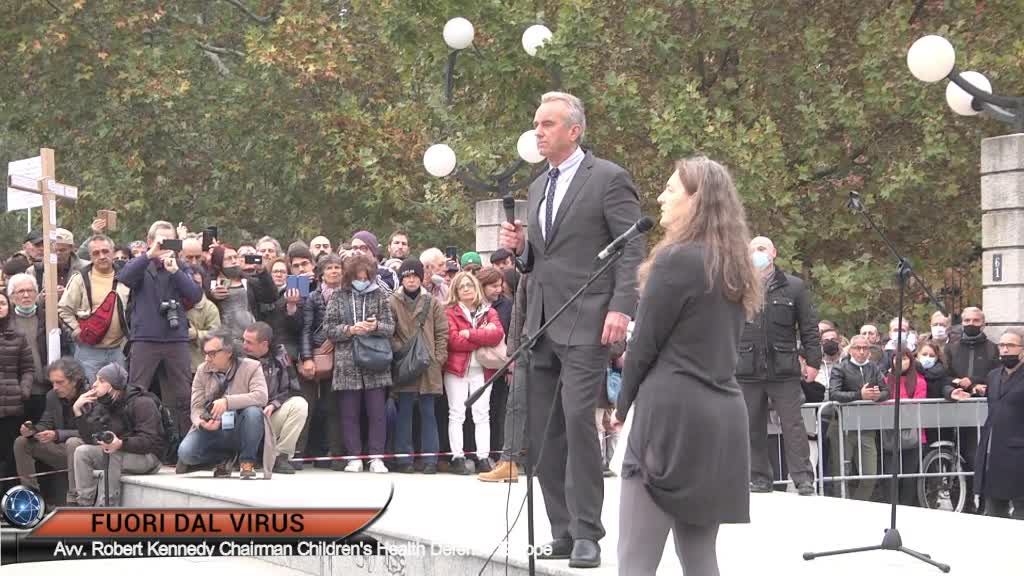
x: 912, y: 385
x: 687, y: 464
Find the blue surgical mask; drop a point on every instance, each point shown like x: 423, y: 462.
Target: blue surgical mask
x: 360, y: 285
x: 761, y: 260
x: 25, y: 311
x: 927, y: 361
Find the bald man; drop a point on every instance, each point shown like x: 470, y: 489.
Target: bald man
x: 769, y: 369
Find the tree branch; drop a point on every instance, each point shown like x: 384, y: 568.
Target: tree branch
x: 918, y: 8
x: 224, y: 71
x: 260, y: 19
x: 219, y: 50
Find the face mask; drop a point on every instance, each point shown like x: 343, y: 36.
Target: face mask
x: 830, y: 347
x: 939, y: 332
x: 360, y: 285
x: 1010, y: 360
x: 972, y: 331
x: 232, y: 271
x: 119, y: 264
x: 25, y: 311
x: 864, y: 363
x: 927, y: 362
x: 761, y: 260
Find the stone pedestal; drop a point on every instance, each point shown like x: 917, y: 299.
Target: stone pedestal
x: 1002, y: 232
x: 489, y: 216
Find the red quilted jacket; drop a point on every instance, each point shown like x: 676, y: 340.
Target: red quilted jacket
x: 461, y: 349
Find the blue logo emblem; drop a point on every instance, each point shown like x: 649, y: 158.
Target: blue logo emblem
x: 22, y: 507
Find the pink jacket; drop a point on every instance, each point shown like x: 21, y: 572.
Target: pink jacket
x: 920, y: 391
x: 460, y: 350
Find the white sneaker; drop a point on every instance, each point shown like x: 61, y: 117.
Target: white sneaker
x: 354, y: 466
x: 377, y: 466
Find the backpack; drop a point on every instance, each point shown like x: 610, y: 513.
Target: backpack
x: 169, y: 433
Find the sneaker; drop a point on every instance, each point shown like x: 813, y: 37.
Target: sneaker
x: 222, y: 471
x: 248, y: 471
x: 340, y: 465
x: 180, y: 468
x: 505, y: 471
x: 430, y: 468
x: 805, y: 489
x: 406, y: 469
x: 760, y: 486
x: 353, y: 466
x: 282, y: 465
x: 443, y: 465
x: 484, y: 466
x: 377, y: 466
x: 458, y: 467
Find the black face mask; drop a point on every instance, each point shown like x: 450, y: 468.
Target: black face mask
x: 106, y: 400
x: 232, y: 272
x: 1010, y: 360
x: 972, y: 331
x: 830, y: 347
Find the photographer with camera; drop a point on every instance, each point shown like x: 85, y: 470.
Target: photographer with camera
x: 228, y: 397
x: 122, y: 427
x: 239, y: 294
x: 54, y: 438
x: 162, y: 291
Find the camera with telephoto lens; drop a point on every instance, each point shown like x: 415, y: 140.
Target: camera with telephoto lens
x: 172, y: 310
x: 105, y: 437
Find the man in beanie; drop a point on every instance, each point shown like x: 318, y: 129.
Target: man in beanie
x: 416, y: 312
x: 366, y: 243
x: 136, y: 436
x: 472, y: 263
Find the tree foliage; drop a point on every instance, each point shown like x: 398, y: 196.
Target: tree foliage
x: 295, y: 117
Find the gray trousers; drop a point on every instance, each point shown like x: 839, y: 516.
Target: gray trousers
x: 786, y: 398
x: 175, y: 379
x: 89, y: 458
x: 56, y: 455
x: 569, y: 469
x: 515, y: 412
x: 643, y: 529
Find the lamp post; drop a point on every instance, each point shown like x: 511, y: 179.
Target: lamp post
x: 932, y: 58
x: 440, y: 161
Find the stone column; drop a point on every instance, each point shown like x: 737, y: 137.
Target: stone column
x: 489, y: 216
x: 1002, y: 232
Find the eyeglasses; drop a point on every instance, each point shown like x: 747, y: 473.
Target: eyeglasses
x: 466, y: 285
x: 1009, y: 345
x: 25, y: 291
x: 859, y: 348
x: 210, y: 353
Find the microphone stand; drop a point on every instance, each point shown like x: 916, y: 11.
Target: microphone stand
x: 891, y: 540
x: 523, y: 348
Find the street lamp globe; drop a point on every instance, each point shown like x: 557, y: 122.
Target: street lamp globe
x: 958, y: 98
x: 534, y: 37
x: 458, y: 33
x: 439, y: 160
x: 527, y: 147
x: 931, y: 58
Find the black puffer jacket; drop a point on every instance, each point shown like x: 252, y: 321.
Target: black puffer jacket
x: 847, y: 379
x: 937, y: 378
x: 768, y: 346
x: 17, y: 370
x: 134, y: 418
x: 314, y: 310
x: 972, y: 357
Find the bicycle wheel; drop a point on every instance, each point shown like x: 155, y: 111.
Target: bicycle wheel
x: 942, y: 492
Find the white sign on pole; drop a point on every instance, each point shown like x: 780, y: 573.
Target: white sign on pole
x: 29, y: 168
x: 53, y: 344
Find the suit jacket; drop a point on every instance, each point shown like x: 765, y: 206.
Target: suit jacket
x: 600, y: 204
x: 999, y: 465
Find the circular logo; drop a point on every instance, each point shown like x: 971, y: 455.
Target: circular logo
x: 22, y: 507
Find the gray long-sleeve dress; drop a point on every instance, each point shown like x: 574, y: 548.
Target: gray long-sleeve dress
x: 688, y: 441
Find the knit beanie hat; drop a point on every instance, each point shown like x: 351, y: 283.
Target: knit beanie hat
x: 411, y: 266
x: 369, y: 239
x: 114, y: 375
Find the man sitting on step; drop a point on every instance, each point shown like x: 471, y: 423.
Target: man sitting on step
x: 286, y: 408
x: 228, y: 396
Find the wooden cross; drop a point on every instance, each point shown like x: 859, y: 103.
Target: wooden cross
x: 48, y: 187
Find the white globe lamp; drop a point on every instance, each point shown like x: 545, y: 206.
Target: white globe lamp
x: 958, y: 98
x: 439, y: 160
x: 527, y: 147
x: 534, y: 37
x: 458, y: 33
x: 931, y: 58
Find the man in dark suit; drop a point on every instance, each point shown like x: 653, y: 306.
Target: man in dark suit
x: 576, y: 208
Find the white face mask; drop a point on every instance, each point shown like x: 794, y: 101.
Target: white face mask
x: 939, y: 332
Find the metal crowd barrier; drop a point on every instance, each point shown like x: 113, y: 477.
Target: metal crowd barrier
x: 863, y: 424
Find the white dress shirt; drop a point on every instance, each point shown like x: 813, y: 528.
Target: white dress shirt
x: 566, y: 172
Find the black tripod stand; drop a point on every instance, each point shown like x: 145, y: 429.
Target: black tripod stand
x: 521, y: 351
x: 892, y: 539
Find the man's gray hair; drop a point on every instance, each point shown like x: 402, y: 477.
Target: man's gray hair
x: 431, y: 255
x: 272, y: 240
x: 100, y: 238
x: 18, y: 279
x: 577, y: 115
x: 160, y: 225
x: 1018, y: 332
x: 973, y: 309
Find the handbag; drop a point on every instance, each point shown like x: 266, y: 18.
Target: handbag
x: 414, y: 358
x: 95, y: 326
x: 370, y: 352
x: 910, y: 439
x: 323, y: 359
x: 492, y: 357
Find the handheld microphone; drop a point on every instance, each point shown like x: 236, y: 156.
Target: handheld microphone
x: 509, y: 203
x: 642, y: 226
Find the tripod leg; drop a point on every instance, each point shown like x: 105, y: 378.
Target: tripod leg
x: 925, y: 558
x: 813, y: 555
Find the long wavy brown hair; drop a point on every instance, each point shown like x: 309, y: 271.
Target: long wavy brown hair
x: 714, y: 217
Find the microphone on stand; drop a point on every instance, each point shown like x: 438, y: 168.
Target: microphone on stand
x: 642, y: 226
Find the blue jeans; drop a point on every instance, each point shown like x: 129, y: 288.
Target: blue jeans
x: 202, y: 446
x: 428, y: 426
x: 92, y: 358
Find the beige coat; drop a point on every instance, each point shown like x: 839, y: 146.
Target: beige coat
x: 435, y: 336
x: 247, y: 388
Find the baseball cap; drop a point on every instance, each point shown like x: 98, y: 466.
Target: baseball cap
x: 35, y: 237
x: 471, y: 258
x: 64, y: 236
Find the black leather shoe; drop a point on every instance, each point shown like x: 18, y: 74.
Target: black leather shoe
x: 559, y: 550
x: 585, y: 554
x: 761, y: 487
